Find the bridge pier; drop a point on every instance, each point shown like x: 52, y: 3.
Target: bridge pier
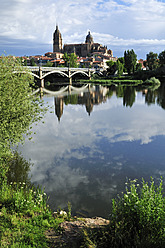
x: 41, y: 77
x: 69, y: 75
x: 89, y: 74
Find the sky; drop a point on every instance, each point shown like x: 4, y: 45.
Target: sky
x: 27, y: 26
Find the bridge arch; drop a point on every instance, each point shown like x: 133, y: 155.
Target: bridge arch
x: 55, y: 71
x: 79, y: 72
x: 29, y: 72
x: 98, y: 73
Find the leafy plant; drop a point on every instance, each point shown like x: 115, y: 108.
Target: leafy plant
x: 137, y: 219
x: 138, y: 216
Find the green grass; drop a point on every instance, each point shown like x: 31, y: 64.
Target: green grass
x: 137, y: 218
x: 131, y: 82
x: 24, y: 216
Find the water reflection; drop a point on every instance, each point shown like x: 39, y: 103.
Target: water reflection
x: 86, y: 159
x: 99, y: 94
x: 95, y: 95
x: 19, y: 169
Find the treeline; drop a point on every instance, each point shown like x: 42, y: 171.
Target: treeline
x: 128, y: 64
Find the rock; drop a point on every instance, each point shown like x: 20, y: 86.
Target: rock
x: 71, y: 234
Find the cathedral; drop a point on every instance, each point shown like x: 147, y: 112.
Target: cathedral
x: 82, y: 50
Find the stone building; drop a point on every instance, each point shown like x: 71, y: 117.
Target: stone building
x: 82, y: 50
x: 57, y: 41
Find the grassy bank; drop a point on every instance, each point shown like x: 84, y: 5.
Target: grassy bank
x: 25, y: 216
x: 137, y: 219
x: 125, y: 81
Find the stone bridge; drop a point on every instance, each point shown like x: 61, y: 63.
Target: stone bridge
x: 41, y: 72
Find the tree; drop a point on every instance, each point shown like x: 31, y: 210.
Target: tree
x: 70, y: 60
x: 119, y: 67
x: 138, y: 66
x: 162, y: 58
x: 112, y: 67
x: 25, y: 62
x: 32, y: 62
x: 152, y: 60
x: 73, y: 60
x: 130, y: 59
x: 18, y: 109
x: 121, y: 59
x: 49, y: 64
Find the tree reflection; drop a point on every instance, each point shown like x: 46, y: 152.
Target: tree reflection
x: 128, y: 96
x: 19, y: 169
x: 161, y: 96
x: 150, y: 96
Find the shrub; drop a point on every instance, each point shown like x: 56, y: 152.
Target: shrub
x: 152, y: 80
x: 138, y: 216
x: 137, y: 219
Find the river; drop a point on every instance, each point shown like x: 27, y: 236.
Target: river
x: 93, y: 142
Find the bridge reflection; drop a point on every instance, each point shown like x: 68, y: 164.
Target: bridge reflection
x: 89, y: 97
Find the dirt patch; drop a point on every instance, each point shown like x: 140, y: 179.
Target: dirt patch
x: 71, y: 231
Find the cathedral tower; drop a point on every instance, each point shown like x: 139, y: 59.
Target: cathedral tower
x: 57, y: 41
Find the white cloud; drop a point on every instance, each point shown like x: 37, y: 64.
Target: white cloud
x: 116, y: 23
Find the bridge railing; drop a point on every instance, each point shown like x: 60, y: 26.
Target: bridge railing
x: 36, y: 68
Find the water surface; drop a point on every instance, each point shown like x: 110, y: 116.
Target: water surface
x: 93, y: 142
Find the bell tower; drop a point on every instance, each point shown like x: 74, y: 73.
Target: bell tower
x: 57, y: 40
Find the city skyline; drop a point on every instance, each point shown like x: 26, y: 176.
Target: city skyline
x: 27, y: 27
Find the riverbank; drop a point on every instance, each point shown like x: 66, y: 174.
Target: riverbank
x: 123, y: 81
x: 74, y: 233
x: 137, y: 219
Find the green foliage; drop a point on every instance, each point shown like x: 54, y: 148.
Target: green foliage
x: 112, y: 67
x: 48, y: 64
x: 162, y: 58
x: 152, y: 80
x: 138, y: 216
x: 24, y: 216
x: 119, y: 67
x: 25, y: 62
x: 152, y: 60
x: 138, y: 66
x: 70, y: 60
x: 32, y: 62
x: 137, y: 219
x: 130, y: 59
x: 18, y: 109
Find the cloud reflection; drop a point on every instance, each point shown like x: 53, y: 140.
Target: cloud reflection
x: 79, y: 152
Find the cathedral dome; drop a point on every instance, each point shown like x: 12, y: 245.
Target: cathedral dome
x: 89, y: 38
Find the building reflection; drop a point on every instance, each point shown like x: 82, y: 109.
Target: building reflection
x: 93, y: 96
x: 59, y: 106
x: 98, y: 94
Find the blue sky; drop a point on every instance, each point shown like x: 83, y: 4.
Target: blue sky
x: 27, y: 26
